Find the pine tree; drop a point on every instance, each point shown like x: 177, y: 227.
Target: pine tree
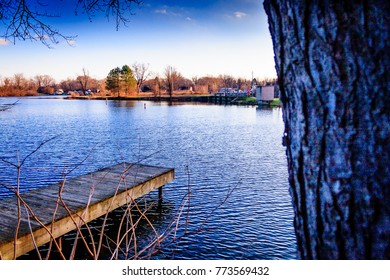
x: 113, y: 80
x: 127, y: 79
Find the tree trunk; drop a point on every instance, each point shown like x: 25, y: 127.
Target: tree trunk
x: 332, y: 60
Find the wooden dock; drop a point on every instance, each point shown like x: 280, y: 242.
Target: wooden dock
x: 106, y: 189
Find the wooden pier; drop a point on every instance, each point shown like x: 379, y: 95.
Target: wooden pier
x: 85, y: 198
x: 220, y: 99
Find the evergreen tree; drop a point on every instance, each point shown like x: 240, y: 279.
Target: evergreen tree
x: 127, y: 79
x: 113, y: 80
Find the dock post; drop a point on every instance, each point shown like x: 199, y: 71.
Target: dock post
x: 59, y: 239
x: 160, y: 198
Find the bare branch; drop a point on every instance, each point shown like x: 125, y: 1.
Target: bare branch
x: 36, y: 149
x: 23, y: 23
x: 5, y: 107
x: 27, y: 20
x: 141, y: 74
x: 120, y: 10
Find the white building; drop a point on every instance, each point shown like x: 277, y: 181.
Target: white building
x: 265, y: 93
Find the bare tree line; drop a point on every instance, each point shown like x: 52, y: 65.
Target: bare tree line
x: 19, y: 85
x: 140, y: 80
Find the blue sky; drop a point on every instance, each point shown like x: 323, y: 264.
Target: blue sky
x: 196, y: 37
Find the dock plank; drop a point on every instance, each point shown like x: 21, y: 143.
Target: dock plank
x: 111, y: 188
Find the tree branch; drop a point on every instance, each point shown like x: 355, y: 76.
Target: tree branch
x: 23, y: 22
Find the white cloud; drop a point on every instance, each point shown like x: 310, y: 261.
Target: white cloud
x: 188, y: 18
x: 3, y: 42
x: 161, y: 11
x: 166, y: 11
x: 72, y: 42
x: 239, y: 15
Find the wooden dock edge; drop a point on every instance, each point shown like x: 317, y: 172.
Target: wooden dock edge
x: 64, y: 225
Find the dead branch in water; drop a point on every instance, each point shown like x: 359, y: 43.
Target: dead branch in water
x: 5, y: 107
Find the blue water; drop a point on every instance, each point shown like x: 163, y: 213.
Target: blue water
x: 231, y: 158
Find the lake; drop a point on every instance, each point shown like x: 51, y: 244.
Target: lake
x: 230, y: 157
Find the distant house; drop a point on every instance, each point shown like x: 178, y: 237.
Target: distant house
x: 230, y: 91
x: 265, y: 93
x: 226, y: 91
x: 59, y: 91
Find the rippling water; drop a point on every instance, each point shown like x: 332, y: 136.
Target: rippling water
x: 214, y: 149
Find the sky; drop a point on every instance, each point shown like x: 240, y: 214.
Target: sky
x: 198, y: 38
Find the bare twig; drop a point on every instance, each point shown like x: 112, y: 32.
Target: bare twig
x: 19, y: 166
x: 105, y: 217
x: 24, y: 23
x: 28, y: 20
x: 81, y: 221
x: 127, y: 239
x: 32, y: 235
x: 31, y: 212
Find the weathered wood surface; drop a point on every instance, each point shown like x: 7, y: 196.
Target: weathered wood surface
x: 109, y: 189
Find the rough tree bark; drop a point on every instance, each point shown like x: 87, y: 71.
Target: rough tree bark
x: 332, y: 60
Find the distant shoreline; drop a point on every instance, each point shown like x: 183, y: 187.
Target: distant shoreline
x: 195, y: 98
x: 198, y: 98
x: 183, y: 98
